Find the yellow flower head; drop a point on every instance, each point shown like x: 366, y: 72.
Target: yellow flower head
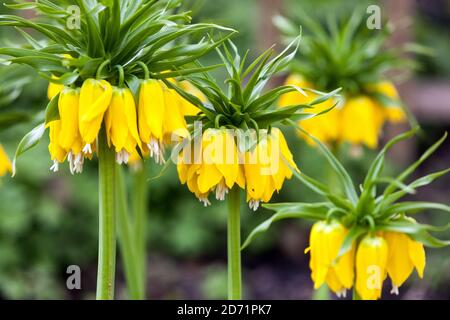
x: 121, y: 124
x: 5, y: 163
x: 326, y: 239
x: 69, y: 137
x: 358, y: 121
x: 57, y: 152
x: 95, y: 98
x: 371, y: 263
x: 214, y: 166
x: 405, y: 254
x: 266, y: 167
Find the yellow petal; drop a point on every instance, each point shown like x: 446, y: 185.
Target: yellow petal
x: 399, y: 265
x: 371, y: 260
x: 151, y: 110
x: 95, y: 97
x: 417, y: 255
x: 68, y: 106
x: 357, y: 122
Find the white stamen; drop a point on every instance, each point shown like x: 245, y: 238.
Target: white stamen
x: 70, y: 159
x: 75, y: 162
x: 221, y: 191
x: 342, y: 293
x: 55, y: 166
x: 122, y: 157
x: 87, y: 149
x: 156, y: 151
x: 254, y: 204
x: 78, y: 163
x: 395, y: 290
x: 205, y: 201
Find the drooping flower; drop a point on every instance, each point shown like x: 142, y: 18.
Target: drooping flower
x: 360, y: 122
x: 326, y: 239
x: 57, y: 152
x: 95, y: 98
x: 405, y: 254
x: 159, y: 116
x: 151, y: 112
x: 267, y: 166
x: 371, y: 263
x: 69, y: 135
x: 121, y: 124
x: 212, y: 166
x: 5, y: 163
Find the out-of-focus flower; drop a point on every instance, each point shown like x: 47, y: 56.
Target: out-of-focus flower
x: 5, y: 163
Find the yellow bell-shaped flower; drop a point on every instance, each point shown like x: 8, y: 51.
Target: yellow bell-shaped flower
x: 121, y: 124
x: 326, y: 239
x: 95, y: 98
x: 151, y: 115
x: 212, y: 167
x: 266, y: 167
x: 69, y: 137
x: 360, y: 122
x: 371, y: 262
x: 57, y: 152
x: 405, y: 254
x: 5, y: 163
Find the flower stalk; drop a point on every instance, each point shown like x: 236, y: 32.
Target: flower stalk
x: 107, y: 231
x: 234, y: 245
x: 128, y: 246
x: 139, y: 200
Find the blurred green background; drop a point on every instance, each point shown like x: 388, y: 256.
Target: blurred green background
x: 49, y: 221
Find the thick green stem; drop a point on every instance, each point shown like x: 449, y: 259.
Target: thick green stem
x: 139, y: 200
x: 234, y: 245
x: 127, y: 241
x: 107, y: 232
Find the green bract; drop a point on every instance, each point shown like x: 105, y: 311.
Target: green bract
x: 368, y: 210
x: 117, y: 33
x: 344, y: 52
x: 244, y: 104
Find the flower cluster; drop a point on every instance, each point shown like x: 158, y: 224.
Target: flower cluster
x: 239, y: 143
x: 375, y: 256
x: 358, y: 240
x: 110, y: 72
x: 355, y: 59
x: 145, y: 125
x: 357, y: 120
x: 216, y: 165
